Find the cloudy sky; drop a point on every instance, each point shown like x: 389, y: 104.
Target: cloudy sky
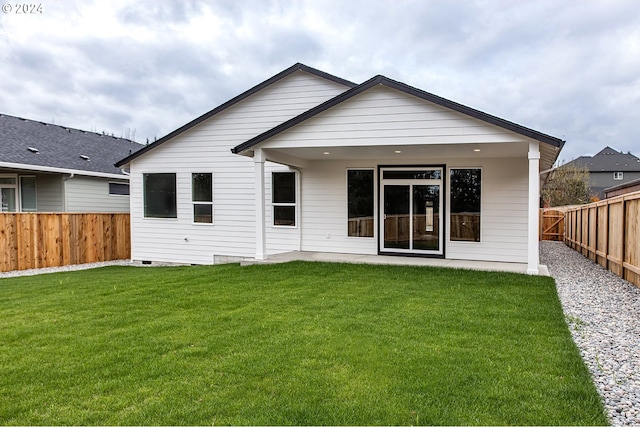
x: 569, y: 68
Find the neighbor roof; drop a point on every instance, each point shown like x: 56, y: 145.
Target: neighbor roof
x: 39, y: 146
x: 608, y: 160
x: 234, y: 101
x: 382, y: 80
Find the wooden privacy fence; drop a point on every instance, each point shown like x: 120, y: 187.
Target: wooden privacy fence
x: 36, y: 240
x: 608, y: 232
x: 552, y: 224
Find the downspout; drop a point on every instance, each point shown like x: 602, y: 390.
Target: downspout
x: 64, y: 191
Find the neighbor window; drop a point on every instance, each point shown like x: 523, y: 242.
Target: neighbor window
x: 160, y: 195
x: 283, y: 198
x: 28, y: 194
x: 618, y: 176
x: 8, y: 193
x: 202, y: 197
x: 118, y: 189
x: 465, y: 204
x: 360, y: 203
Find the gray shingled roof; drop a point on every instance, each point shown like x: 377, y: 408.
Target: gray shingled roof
x: 60, y: 147
x: 609, y: 160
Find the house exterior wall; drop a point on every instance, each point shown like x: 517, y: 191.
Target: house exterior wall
x: 91, y: 194
x: 598, y: 181
x: 49, y: 193
x: 384, y: 116
x: 206, y: 148
x: 503, y: 209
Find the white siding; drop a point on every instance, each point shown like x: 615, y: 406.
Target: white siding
x: 504, y: 213
x: 91, y: 194
x: 503, y: 204
x: 206, y: 148
x: 49, y: 193
x: 383, y: 116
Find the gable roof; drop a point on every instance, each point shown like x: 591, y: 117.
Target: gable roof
x: 382, y: 80
x: 38, y: 146
x: 234, y: 101
x: 608, y: 160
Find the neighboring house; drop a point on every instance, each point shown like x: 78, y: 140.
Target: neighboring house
x: 608, y: 168
x: 307, y: 161
x: 51, y: 168
x: 621, y: 189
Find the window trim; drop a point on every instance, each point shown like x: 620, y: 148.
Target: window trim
x: 19, y: 195
x: 450, y: 200
x: 618, y: 176
x: 144, y: 208
x: 194, y: 203
x: 274, y: 205
x: 15, y: 186
x: 375, y: 202
x: 118, y: 195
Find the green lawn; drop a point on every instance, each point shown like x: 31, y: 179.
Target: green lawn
x: 297, y: 343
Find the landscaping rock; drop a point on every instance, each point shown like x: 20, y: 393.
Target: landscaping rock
x: 603, y: 314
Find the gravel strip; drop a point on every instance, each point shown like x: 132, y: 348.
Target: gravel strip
x: 75, y: 267
x: 603, y: 313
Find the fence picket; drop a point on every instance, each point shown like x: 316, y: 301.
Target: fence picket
x: 33, y: 240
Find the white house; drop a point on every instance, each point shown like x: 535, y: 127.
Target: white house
x: 306, y: 161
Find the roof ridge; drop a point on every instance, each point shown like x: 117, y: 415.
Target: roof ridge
x: 403, y: 87
x: 262, y: 85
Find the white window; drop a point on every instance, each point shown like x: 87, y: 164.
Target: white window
x: 283, y: 198
x: 202, y: 197
x: 28, y: 194
x: 8, y: 187
x: 618, y: 176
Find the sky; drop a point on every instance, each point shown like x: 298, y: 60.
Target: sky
x: 141, y: 69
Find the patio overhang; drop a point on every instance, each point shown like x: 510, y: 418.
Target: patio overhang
x: 300, y: 156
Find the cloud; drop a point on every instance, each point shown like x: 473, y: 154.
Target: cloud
x: 565, y: 68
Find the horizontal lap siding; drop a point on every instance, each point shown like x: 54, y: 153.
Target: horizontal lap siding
x: 383, y: 116
x: 89, y: 194
x: 504, y: 214
x: 324, y: 209
x: 504, y: 209
x: 207, y: 148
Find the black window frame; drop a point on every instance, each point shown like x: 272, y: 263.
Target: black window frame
x: 202, y: 206
x: 461, y: 201
x: 356, y: 209
x: 168, y: 192
x: 284, y: 202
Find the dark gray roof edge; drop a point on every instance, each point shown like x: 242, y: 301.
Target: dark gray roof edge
x: 235, y: 100
x: 514, y: 127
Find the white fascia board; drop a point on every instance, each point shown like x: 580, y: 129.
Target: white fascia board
x: 37, y: 168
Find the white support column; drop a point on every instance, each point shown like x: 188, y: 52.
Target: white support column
x: 533, y: 257
x: 258, y: 161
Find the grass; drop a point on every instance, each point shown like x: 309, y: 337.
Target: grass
x: 297, y: 343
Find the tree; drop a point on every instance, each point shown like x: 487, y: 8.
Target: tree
x: 567, y: 185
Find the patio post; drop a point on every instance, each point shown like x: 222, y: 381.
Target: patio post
x: 258, y: 160
x: 533, y: 257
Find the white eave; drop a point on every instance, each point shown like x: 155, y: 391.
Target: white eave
x: 37, y: 168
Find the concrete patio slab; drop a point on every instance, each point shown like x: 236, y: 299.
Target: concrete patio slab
x: 395, y: 260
